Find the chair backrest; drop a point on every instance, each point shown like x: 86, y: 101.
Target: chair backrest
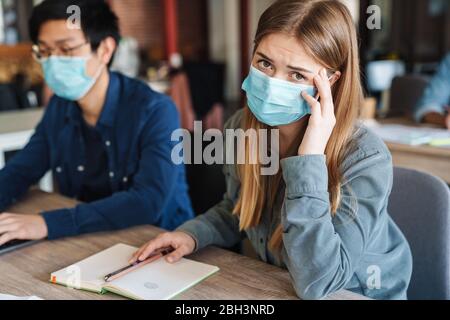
x: 207, y: 183
x: 406, y: 92
x: 420, y: 205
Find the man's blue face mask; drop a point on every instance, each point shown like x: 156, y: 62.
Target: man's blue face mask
x: 67, y: 77
x: 275, y: 102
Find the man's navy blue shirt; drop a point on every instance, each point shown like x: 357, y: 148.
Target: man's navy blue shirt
x: 136, y: 126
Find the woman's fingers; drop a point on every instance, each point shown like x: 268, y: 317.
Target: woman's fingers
x: 324, y: 87
x: 313, y: 103
x: 136, y: 255
x: 158, y: 243
x: 177, y: 254
x: 143, y: 253
x: 182, y: 244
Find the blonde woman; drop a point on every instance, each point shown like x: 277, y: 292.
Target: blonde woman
x: 324, y: 216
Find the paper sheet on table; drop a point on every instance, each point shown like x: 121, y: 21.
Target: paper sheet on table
x: 7, y: 297
x: 413, y: 136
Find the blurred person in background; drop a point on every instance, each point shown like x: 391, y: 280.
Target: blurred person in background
x: 105, y: 137
x: 434, y: 106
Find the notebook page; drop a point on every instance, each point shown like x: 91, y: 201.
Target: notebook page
x: 92, y: 270
x: 161, y: 280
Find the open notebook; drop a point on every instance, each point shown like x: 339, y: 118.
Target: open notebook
x: 158, y: 280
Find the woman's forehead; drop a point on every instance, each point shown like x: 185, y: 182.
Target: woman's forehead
x: 286, y: 50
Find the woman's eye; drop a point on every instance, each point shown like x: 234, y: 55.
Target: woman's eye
x: 297, y: 77
x: 263, y: 64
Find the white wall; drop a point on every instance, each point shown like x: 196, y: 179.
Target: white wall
x: 224, y: 39
x: 257, y: 8
x: 2, y: 31
x: 353, y: 6
x: 216, y: 22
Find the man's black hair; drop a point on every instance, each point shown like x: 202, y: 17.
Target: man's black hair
x: 98, y: 21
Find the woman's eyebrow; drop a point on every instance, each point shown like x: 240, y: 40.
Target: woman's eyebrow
x: 264, y: 56
x: 290, y: 67
x: 299, y: 69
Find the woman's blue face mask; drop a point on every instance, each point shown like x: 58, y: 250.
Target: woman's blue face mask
x: 276, y: 102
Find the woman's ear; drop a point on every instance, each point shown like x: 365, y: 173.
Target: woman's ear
x: 335, y: 77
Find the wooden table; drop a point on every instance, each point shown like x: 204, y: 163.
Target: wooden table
x: 26, y: 272
x: 433, y: 160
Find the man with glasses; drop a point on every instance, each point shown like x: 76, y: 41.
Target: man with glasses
x: 106, y: 137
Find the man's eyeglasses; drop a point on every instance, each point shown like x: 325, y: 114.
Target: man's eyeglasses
x: 44, y: 53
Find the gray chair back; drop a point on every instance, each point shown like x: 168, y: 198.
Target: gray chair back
x: 420, y: 205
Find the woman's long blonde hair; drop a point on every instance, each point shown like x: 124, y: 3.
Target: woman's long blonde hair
x: 325, y: 29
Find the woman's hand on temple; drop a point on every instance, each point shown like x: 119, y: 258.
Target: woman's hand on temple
x: 322, y: 121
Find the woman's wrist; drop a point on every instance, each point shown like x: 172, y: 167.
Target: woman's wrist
x: 192, y: 237
x: 311, y: 149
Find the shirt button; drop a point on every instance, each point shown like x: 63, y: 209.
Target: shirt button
x: 111, y: 174
x: 58, y: 169
x: 81, y: 169
x: 108, y: 143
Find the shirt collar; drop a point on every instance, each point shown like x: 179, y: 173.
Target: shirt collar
x: 108, y: 114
